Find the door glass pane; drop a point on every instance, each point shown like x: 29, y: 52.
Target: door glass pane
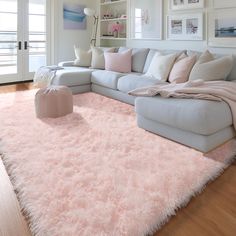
x: 8, y: 6
x: 37, y: 47
x: 8, y: 37
x: 37, y: 7
x: 37, y: 37
x: 36, y: 23
x: 37, y: 34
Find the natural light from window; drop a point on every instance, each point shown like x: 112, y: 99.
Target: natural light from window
x: 138, y: 23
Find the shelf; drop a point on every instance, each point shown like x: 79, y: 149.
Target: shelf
x: 113, y: 19
x: 111, y: 3
x: 106, y: 8
x: 112, y: 38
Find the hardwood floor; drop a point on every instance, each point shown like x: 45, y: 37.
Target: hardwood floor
x: 212, y: 213
x: 12, y: 222
x: 16, y: 87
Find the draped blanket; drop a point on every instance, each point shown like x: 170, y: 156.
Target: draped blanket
x: 199, y: 89
x: 45, y: 75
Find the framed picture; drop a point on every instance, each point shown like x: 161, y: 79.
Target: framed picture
x: 146, y: 19
x: 185, y: 26
x: 217, y: 4
x: 222, y: 28
x: 185, y: 4
x: 73, y: 16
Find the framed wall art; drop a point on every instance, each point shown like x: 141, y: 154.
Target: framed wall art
x: 74, y: 17
x: 185, y: 26
x: 217, y: 4
x: 146, y: 19
x: 222, y: 28
x: 185, y: 4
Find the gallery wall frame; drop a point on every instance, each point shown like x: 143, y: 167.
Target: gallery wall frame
x: 219, y: 4
x: 185, y: 26
x: 175, y: 5
x: 146, y: 19
x: 222, y: 28
x: 73, y: 16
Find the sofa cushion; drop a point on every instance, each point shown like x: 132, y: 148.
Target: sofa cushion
x: 83, y: 57
x: 131, y: 82
x: 232, y: 75
x: 152, y: 53
x: 105, y: 78
x: 161, y: 66
x: 181, y: 69
x: 139, y: 56
x: 197, y: 116
x: 98, y: 60
x: 208, y: 68
x: 118, y: 62
x: 72, y: 76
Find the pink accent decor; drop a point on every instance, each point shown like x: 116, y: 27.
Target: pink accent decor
x: 118, y: 62
x: 117, y: 27
x: 94, y: 172
x: 53, y: 101
x: 181, y: 69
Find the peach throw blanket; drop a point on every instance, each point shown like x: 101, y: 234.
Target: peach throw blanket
x: 199, y: 89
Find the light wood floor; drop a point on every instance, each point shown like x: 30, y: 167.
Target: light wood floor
x: 212, y: 213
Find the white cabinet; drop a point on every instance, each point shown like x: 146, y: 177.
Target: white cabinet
x: 113, y: 22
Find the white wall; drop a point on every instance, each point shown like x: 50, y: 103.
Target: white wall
x: 63, y: 40
x: 193, y: 45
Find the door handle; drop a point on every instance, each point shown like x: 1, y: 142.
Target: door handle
x: 25, y: 45
x: 19, y: 45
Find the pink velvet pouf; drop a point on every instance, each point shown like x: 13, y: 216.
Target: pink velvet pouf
x: 53, y: 102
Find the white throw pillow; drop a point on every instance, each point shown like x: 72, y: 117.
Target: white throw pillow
x: 83, y: 58
x: 208, y: 68
x: 161, y: 66
x: 98, y: 59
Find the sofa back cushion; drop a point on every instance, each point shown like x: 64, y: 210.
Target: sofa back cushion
x: 139, y: 56
x: 208, y: 68
x: 98, y: 60
x: 118, y: 62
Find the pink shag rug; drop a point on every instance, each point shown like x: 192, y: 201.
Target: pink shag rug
x: 94, y: 172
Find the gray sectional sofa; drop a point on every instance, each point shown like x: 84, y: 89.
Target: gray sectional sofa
x: 200, y: 124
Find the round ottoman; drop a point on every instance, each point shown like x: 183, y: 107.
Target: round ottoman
x: 53, y: 102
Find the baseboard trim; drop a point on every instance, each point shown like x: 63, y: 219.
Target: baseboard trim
x: 17, y: 82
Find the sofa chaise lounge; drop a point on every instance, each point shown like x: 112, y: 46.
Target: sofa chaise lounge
x: 200, y: 124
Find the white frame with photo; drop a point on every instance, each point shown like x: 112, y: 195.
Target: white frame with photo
x: 219, y: 4
x: 184, y: 35
x: 186, y: 5
x: 214, y: 41
x: 155, y: 34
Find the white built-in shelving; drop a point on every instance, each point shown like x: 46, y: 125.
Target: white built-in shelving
x: 113, y: 12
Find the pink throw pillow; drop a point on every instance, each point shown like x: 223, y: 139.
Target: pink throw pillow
x: 181, y: 70
x: 118, y: 62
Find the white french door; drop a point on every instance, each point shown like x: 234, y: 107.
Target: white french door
x: 24, y: 37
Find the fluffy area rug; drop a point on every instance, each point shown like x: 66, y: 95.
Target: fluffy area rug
x: 94, y: 172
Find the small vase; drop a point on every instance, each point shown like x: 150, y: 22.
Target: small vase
x: 115, y: 34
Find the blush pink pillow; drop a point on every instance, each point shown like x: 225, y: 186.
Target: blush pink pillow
x: 181, y: 70
x: 118, y: 62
